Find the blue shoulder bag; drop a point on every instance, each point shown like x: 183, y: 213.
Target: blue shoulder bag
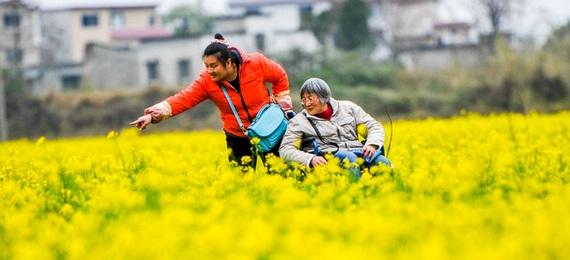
x: 268, y: 126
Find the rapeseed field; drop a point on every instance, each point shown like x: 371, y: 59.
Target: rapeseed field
x: 468, y: 187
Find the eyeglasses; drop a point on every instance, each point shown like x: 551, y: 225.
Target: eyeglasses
x: 309, y: 98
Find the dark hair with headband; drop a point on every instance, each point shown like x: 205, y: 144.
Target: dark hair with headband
x: 222, y: 52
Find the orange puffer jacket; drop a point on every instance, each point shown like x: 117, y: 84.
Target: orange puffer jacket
x: 254, y: 72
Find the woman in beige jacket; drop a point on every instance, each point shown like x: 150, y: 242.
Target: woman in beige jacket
x: 331, y: 126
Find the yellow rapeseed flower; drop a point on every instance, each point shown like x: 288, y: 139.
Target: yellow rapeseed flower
x: 470, y: 186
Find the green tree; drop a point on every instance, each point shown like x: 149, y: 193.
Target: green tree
x: 556, y: 64
x: 353, y: 31
x: 322, y: 25
x: 187, y: 20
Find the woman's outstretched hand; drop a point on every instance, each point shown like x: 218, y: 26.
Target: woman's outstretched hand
x: 142, y: 122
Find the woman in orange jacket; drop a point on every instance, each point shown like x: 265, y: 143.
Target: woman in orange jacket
x: 244, y: 76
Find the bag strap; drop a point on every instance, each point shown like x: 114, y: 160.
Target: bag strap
x: 234, y: 110
x: 314, y: 127
x: 319, y: 133
x: 270, y: 92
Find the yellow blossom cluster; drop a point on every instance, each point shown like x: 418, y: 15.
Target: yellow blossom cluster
x: 470, y: 186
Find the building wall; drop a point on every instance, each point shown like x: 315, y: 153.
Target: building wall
x: 412, y: 19
x: 84, y: 35
x: 28, y: 38
x: 56, y: 37
x: 438, y: 59
x: 51, y: 78
x: 410, y: 23
x: 453, y: 37
x: 230, y: 25
x: 258, y: 24
x: 276, y: 29
x: 168, y: 53
x: 65, y: 28
x: 286, y: 41
x: 283, y: 17
x: 139, y: 18
x: 272, y: 40
x: 108, y: 68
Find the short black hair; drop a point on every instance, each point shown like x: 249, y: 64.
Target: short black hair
x: 221, y: 51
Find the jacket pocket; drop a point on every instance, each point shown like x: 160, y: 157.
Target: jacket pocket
x: 348, y: 129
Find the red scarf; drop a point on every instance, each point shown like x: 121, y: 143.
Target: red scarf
x: 327, y: 114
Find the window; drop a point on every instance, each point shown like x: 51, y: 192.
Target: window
x: 151, y: 21
x: 71, y: 82
x: 253, y: 10
x: 183, y: 71
x: 306, y: 12
x: 90, y: 20
x: 260, y: 41
x: 11, y: 20
x: 152, y: 70
x: 14, y: 55
x: 117, y: 19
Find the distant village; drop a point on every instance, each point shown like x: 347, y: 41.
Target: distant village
x: 122, y: 46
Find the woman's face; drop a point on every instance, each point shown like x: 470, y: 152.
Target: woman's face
x: 217, y: 70
x: 312, y: 104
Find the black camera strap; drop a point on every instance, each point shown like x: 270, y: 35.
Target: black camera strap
x: 319, y: 133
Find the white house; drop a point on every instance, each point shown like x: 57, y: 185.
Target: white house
x: 19, y: 34
x: 71, y: 29
x: 452, y: 33
x: 409, y: 24
x: 68, y: 29
x: 275, y: 25
x: 170, y: 63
